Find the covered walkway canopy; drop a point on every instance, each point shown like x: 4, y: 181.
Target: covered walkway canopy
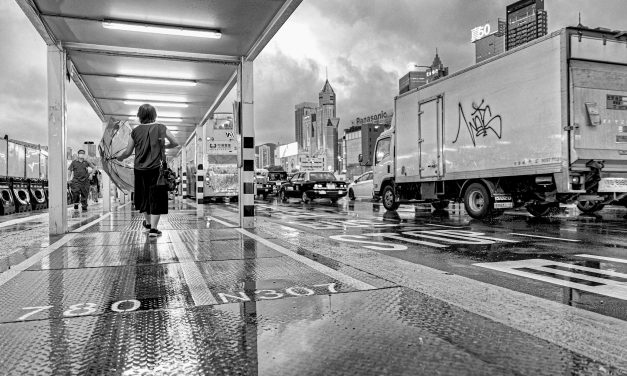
x: 183, y: 56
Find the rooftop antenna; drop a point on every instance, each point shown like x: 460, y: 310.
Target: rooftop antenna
x: 326, y: 70
x: 580, y: 26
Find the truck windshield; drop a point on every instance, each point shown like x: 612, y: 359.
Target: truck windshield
x: 321, y: 176
x: 277, y: 175
x: 383, y: 149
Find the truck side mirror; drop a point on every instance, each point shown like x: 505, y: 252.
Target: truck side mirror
x: 360, y: 158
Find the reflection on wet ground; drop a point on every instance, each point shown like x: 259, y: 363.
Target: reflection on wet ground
x: 346, y: 289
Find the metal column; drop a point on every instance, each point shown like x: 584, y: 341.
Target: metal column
x: 106, y: 185
x: 200, y: 164
x: 57, y: 137
x: 184, y: 192
x: 247, y: 128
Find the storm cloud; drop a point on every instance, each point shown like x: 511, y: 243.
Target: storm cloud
x: 365, y: 45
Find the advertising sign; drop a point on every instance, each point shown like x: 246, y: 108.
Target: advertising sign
x: 479, y: 32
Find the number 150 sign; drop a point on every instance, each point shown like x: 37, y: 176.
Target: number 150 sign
x: 480, y: 32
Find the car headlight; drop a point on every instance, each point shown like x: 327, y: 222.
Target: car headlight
x: 317, y: 186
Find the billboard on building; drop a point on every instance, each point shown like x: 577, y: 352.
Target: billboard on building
x: 287, y: 150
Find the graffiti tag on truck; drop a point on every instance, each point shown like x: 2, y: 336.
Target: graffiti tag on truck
x: 481, y: 122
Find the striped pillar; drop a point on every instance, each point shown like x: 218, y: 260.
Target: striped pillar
x: 200, y: 184
x: 247, y: 165
x: 184, y: 183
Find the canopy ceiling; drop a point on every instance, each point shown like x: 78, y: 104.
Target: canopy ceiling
x: 102, y: 59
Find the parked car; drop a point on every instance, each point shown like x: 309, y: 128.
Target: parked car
x: 310, y: 185
x: 361, y: 187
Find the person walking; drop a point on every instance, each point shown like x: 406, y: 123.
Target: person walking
x: 94, y: 183
x: 79, y: 179
x: 148, y: 142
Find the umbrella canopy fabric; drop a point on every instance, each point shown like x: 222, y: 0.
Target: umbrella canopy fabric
x: 113, y: 143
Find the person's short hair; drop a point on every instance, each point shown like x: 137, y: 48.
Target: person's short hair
x: 147, y: 114
x: 81, y: 152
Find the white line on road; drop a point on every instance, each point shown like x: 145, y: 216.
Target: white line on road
x: 17, y: 269
x: 201, y: 294
x: 611, y: 259
x: 545, y: 237
x: 312, y: 264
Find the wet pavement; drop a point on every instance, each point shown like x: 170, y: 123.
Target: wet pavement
x: 321, y: 289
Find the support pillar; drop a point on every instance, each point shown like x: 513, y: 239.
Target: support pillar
x: 247, y: 150
x: 184, y: 193
x: 106, y: 185
x: 200, y: 164
x: 57, y: 138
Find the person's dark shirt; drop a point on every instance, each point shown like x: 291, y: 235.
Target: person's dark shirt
x: 148, y: 140
x: 79, y: 170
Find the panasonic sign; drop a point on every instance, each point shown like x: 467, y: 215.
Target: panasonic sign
x: 480, y: 32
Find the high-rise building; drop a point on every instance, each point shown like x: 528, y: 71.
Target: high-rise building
x: 264, y: 155
x: 300, y: 111
x: 360, y: 139
x: 319, y: 128
x: 526, y: 21
x: 416, y: 79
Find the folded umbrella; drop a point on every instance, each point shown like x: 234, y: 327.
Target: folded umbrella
x: 113, y: 143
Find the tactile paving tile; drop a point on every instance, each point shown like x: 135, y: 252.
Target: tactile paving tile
x: 114, y: 238
x: 151, y: 253
x: 392, y: 331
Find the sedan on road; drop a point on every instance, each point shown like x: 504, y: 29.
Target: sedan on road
x: 361, y: 187
x: 311, y: 185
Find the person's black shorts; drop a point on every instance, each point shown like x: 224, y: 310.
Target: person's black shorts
x: 149, y: 198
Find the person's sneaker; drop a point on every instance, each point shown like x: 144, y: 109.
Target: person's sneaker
x: 154, y: 232
x: 146, y: 225
x: 75, y: 206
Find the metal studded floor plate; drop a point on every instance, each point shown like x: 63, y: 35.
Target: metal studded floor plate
x: 391, y: 331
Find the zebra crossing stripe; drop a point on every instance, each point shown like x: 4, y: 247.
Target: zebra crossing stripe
x: 609, y: 259
x: 584, y: 278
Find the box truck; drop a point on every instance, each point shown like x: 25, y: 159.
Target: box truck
x: 540, y: 125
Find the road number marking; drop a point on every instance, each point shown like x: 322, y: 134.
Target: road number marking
x: 241, y: 296
x: 134, y: 307
x: 35, y: 310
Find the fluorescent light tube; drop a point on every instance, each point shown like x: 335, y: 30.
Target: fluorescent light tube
x: 155, y: 81
x: 159, y: 29
x: 158, y: 98
x: 157, y: 104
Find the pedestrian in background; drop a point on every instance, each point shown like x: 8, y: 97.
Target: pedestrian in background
x: 79, y: 179
x: 94, y: 183
x: 148, y: 142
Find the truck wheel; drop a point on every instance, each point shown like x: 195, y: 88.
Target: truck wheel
x: 440, y: 205
x: 390, y: 201
x: 477, y: 201
x: 589, y: 207
x: 305, y: 198
x: 538, y: 210
x: 351, y: 195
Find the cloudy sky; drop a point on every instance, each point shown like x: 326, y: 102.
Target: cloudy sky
x: 366, y: 46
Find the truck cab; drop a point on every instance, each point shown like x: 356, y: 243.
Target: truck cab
x: 383, y: 164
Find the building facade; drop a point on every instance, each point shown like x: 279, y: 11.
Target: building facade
x: 489, y: 46
x: 526, y: 21
x: 302, y: 110
x: 418, y: 78
x: 360, y: 139
x: 264, y: 155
